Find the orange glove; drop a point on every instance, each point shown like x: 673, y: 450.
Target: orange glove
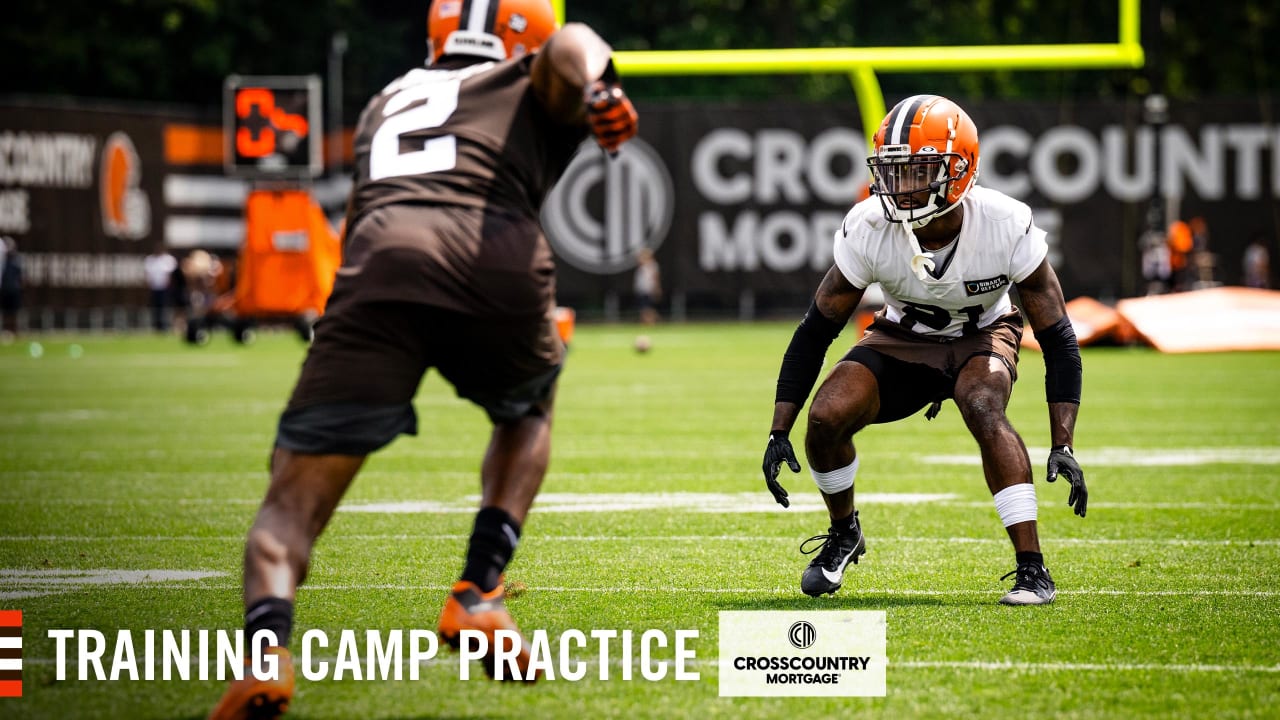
x: 610, y: 115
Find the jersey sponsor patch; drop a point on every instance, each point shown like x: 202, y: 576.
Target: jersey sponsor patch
x: 980, y: 287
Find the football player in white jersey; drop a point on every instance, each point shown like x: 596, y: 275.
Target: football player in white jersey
x: 945, y: 253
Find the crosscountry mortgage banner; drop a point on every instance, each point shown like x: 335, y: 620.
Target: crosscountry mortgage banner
x: 736, y: 200
x: 747, y: 197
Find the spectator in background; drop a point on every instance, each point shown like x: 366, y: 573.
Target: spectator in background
x: 1257, y: 263
x: 1181, y: 243
x: 647, y: 286
x: 158, y: 268
x: 1156, y: 270
x: 179, y: 296
x: 1203, y: 263
x: 10, y: 287
x: 200, y: 272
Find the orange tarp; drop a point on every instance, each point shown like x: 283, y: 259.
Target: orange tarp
x: 1217, y: 319
x: 289, y: 256
x: 1226, y: 318
x: 1093, y: 322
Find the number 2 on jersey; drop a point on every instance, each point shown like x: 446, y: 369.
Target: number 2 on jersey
x: 385, y: 158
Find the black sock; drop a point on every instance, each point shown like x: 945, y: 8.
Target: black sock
x: 1030, y: 557
x: 845, y: 524
x: 272, y: 613
x: 493, y: 542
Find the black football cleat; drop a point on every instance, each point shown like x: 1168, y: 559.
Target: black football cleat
x: 1032, y: 586
x: 825, y: 573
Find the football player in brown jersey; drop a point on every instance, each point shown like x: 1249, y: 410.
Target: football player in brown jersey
x: 445, y: 266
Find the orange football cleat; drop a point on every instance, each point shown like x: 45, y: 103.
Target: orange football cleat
x: 467, y: 608
x: 254, y: 699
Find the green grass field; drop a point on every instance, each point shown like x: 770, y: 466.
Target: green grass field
x: 141, y: 454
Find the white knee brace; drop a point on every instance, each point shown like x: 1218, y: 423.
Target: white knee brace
x: 1016, y: 504
x: 837, y: 480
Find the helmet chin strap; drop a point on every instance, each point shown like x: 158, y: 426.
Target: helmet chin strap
x: 921, y: 261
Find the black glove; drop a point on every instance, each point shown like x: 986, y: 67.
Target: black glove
x: 1061, y: 461
x: 779, y: 450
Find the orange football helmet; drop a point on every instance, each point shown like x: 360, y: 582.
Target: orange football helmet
x: 494, y: 29
x: 925, y: 159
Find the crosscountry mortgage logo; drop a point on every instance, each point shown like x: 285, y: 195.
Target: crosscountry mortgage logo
x: 840, y: 653
x: 603, y: 211
x: 802, y: 634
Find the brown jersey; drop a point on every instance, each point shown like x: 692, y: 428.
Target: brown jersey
x: 472, y: 145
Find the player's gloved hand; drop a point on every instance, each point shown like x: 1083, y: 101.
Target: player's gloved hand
x: 610, y: 115
x: 1062, y: 462
x: 779, y: 451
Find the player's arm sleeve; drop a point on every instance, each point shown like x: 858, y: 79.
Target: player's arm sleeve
x: 803, y: 360
x: 1063, y: 370
x: 1041, y: 297
x: 829, y: 312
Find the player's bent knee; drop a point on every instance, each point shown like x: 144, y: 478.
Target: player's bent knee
x: 833, y: 419
x: 980, y: 404
x: 823, y: 427
x: 982, y: 400
x: 986, y: 420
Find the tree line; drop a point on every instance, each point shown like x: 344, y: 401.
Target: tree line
x: 179, y: 51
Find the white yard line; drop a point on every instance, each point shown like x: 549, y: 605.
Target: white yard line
x: 27, y: 583
x: 401, y: 537
x: 788, y: 590
x: 29, y: 586
x: 1080, y: 667
x: 1139, y: 457
x: 709, y: 502
x: 1045, y: 500
x: 693, y: 502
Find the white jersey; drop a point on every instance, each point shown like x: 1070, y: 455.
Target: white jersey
x: 998, y: 245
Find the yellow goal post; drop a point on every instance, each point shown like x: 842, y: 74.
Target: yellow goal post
x: 863, y: 63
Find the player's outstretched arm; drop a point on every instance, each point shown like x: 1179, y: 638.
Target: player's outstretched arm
x: 574, y: 79
x: 833, y: 305
x: 1042, y: 301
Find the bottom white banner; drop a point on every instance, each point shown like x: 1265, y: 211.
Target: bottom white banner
x: 780, y: 653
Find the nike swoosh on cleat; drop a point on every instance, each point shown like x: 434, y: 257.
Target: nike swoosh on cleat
x: 839, y: 573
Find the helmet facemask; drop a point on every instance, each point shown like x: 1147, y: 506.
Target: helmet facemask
x: 913, y: 187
